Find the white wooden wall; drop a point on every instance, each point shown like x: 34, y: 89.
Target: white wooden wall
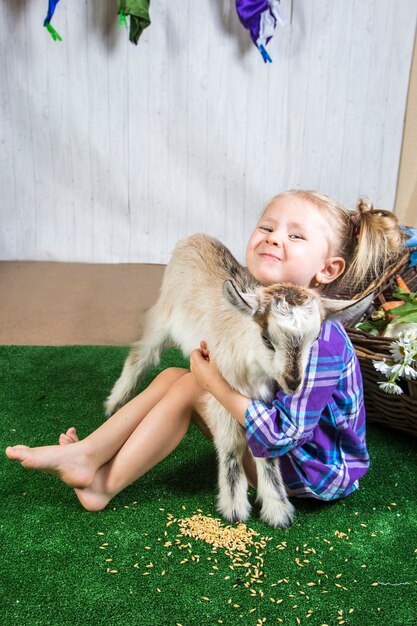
x: 111, y: 152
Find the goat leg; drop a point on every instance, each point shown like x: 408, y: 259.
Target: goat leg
x: 276, y: 509
x: 143, y: 355
x: 230, y: 443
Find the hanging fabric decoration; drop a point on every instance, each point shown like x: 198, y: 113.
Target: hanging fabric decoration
x: 138, y: 10
x: 260, y: 17
x: 47, y: 21
x: 411, y: 243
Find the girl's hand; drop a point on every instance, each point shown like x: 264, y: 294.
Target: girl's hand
x: 207, y: 375
x: 204, y: 369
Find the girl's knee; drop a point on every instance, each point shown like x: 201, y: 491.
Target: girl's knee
x: 186, y: 388
x: 172, y: 374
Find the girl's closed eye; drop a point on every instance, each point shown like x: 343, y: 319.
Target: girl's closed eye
x: 266, y: 229
x: 296, y: 236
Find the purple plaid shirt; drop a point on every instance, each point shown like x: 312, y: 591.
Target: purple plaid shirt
x: 318, y: 433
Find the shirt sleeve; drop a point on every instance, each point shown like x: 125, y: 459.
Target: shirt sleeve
x: 272, y: 431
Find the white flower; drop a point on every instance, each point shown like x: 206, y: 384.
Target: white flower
x: 410, y: 334
x: 382, y: 366
x: 398, y: 351
x: 404, y: 364
x: 390, y: 388
x: 409, y: 372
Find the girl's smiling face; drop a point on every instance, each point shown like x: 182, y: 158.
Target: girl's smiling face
x: 292, y: 243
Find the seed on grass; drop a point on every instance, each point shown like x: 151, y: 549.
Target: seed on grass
x: 311, y: 584
x: 109, y: 560
x: 205, y: 598
x: 100, y: 533
x: 114, y: 571
x: 319, y: 571
x: 374, y: 584
x: 339, y: 575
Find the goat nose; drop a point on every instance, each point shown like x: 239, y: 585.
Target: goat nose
x: 292, y: 385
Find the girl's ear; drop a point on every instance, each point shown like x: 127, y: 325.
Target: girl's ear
x: 334, y: 267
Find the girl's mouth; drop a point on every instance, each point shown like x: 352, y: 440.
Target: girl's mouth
x: 265, y: 255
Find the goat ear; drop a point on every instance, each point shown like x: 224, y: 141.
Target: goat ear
x: 345, y: 310
x: 246, y: 303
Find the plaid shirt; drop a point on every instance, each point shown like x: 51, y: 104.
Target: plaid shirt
x: 319, y: 433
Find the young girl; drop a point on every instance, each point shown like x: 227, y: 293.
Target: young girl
x: 319, y: 433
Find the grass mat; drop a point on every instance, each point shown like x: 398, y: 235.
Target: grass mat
x: 351, y: 562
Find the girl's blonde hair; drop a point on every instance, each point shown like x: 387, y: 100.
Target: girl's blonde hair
x: 366, y: 238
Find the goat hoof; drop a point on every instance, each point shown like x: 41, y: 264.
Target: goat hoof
x: 236, y: 514
x: 279, y: 516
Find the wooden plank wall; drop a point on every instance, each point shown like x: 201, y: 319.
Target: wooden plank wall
x: 111, y: 152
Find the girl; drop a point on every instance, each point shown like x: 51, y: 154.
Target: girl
x: 319, y: 434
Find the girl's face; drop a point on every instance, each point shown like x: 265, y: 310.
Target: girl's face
x: 292, y: 243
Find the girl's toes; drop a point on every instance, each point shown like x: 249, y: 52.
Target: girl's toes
x: 72, y: 434
x: 17, y: 453
x: 69, y: 437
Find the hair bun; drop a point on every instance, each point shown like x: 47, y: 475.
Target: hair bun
x: 364, y: 205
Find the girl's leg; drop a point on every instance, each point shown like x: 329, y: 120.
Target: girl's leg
x: 78, y: 463
x: 157, y: 435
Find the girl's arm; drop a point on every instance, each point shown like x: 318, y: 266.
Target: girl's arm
x: 273, y: 430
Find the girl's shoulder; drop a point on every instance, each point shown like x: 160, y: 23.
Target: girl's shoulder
x: 334, y: 341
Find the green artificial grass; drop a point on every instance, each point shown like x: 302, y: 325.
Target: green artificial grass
x: 351, y: 562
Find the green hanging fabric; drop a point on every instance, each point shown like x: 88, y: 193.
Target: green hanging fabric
x: 138, y: 10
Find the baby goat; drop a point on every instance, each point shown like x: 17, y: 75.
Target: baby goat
x: 259, y: 337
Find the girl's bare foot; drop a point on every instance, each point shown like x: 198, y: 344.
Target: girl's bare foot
x: 70, y: 463
x: 95, y: 497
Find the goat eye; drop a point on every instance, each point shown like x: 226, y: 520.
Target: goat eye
x: 268, y: 342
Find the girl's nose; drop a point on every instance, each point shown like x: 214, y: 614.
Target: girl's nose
x: 273, y: 240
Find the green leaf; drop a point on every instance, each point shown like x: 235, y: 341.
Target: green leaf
x: 404, y: 309
x: 372, y: 326
x: 408, y: 317
x: 401, y: 294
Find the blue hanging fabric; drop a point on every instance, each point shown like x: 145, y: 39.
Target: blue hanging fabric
x: 411, y: 243
x: 47, y: 21
x: 260, y: 17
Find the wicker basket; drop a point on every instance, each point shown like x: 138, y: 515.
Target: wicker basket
x: 395, y: 411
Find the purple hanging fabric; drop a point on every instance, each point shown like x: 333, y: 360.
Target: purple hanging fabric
x: 260, y: 18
